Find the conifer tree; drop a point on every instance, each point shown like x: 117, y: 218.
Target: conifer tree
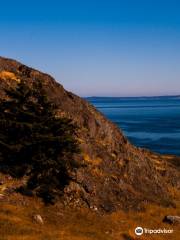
x: 36, y: 143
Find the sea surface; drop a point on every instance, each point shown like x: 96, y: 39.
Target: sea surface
x: 148, y: 122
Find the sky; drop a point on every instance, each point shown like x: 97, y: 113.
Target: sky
x: 97, y: 48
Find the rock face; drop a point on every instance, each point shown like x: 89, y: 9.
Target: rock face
x: 116, y: 175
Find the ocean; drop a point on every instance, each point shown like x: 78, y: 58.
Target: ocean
x: 148, y: 122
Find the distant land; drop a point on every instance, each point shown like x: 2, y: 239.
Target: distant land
x: 161, y: 96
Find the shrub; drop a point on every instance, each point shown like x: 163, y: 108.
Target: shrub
x: 34, y: 142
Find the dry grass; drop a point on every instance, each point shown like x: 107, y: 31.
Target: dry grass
x: 16, y: 222
x: 63, y: 223
x: 95, y: 161
x: 4, y: 75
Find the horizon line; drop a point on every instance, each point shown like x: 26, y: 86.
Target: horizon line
x: 153, y: 96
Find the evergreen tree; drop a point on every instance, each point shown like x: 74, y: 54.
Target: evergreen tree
x: 36, y: 143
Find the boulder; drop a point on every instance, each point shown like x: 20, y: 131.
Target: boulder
x: 38, y: 219
x: 171, y: 219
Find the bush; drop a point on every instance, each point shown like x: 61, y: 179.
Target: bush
x: 34, y: 142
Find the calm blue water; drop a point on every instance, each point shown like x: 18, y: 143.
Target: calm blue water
x: 152, y: 123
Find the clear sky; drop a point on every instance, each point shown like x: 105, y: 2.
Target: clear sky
x: 97, y: 48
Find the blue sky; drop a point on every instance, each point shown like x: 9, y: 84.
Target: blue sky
x: 99, y: 48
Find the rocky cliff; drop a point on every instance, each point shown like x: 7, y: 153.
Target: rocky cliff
x: 115, y: 174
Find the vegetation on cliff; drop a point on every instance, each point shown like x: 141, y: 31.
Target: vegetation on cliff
x: 36, y: 143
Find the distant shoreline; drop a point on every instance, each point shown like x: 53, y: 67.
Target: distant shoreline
x: 163, y: 96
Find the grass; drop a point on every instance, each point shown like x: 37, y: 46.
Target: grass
x: 65, y: 223
x: 8, y: 75
x: 16, y: 222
